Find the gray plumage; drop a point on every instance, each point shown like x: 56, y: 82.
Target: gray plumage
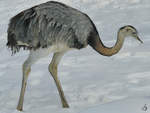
x: 54, y: 27
x: 48, y: 24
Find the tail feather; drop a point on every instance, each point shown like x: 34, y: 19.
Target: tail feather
x: 17, y: 30
x: 12, y: 43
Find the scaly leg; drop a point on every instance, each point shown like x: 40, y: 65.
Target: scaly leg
x: 26, y: 70
x: 53, y: 70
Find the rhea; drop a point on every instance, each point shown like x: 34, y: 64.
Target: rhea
x: 54, y: 27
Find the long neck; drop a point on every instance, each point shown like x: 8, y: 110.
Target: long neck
x: 97, y: 44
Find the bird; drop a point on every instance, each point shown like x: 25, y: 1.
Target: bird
x: 54, y: 27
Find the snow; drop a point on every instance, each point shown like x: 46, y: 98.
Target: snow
x: 92, y: 83
x: 130, y: 105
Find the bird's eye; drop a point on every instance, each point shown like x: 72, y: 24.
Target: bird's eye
x: 134, y: 33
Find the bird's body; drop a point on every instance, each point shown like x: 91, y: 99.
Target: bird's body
x: 50, y: 24
x: 54, y: 27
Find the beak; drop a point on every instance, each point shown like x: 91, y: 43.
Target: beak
x: 139, y: 39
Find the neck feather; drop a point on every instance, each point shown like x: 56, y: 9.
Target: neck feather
x: 97, y: 44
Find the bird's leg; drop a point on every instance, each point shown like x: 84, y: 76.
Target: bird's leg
x: 53, y: 70
x: 26, y: 70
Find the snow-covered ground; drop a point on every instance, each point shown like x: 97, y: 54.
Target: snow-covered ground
x: 92, y: 83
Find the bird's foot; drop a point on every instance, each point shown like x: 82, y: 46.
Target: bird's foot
x: 65, y: 105
x: 19, y: 108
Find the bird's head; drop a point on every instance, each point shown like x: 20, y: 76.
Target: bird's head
x: 129, y: 30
